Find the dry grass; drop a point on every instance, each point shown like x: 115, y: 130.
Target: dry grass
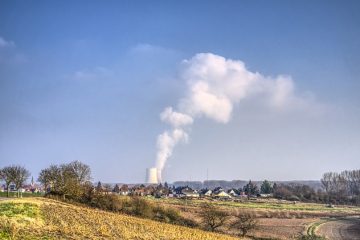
x: 270, y: 208
x: 57, y: 220
x: 277, y: 219
x: 281, y: 228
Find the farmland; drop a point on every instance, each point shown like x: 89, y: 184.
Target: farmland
x: 270, y: 207
x: 40, y: 218
x: 277, y: 219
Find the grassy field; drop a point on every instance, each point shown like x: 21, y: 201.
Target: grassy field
x: 277, y: 219
x: 40, y: 218
x: 25, y: 194
x: 270, y: 206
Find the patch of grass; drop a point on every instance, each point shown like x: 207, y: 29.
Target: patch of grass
x: 8, y: 228
x: 15, y: 209
x: 16, y: 217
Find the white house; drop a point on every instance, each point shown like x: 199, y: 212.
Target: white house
x: 233, y: 193
x: 189, y: 193
x: 208, y: 193
x: 221, y: 194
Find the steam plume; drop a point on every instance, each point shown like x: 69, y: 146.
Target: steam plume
x: 214, y: 86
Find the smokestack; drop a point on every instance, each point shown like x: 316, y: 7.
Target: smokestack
x: 152, y: 175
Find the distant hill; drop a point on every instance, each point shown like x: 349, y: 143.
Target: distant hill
x: 211, y: 184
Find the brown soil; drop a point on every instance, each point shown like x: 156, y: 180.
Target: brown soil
x: 342, y: 229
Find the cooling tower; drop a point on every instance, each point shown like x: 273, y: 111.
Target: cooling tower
x: 151, y: 175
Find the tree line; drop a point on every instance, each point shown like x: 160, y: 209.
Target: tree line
x: 343, y: 187
x: 73, y: 180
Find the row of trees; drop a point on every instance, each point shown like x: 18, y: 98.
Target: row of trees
x: 297, y: 192
x: 266, y: 187
x: 337, y: 188
x: 342, y: 187
x: 14, y: 174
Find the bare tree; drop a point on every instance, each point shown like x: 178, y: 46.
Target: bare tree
x: 243, y: 223
x: 80, y: 170
x: 15, y: 174
x: 20, y: 177
x: 8, y: 174
x: 51, y: 179
x: 326, y: 181
x: 212, y: 218
x: 342, y: 186
x: 45, y: 178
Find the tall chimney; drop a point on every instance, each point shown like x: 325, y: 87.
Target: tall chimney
x: 152, y: 175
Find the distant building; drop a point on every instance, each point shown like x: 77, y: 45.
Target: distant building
x: 221, y: 194
x: 152, y: 176
x: 189, y: 193
x: 233, y: 193
x: 124, y: 190
x: 208, y: 193
x: 12, y: 187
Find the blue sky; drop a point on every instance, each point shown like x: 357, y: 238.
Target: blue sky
x: 88, y: 80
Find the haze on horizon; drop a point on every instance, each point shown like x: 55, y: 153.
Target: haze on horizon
x: 258, y: 90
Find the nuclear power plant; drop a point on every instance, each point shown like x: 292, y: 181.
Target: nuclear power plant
x: 152, y: 175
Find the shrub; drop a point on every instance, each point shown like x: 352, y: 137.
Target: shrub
x: 137, y: 206
x: 243, y: 223
x: 141, y: 207
x: 212, y: 218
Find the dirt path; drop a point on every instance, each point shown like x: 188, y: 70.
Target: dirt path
x: 342, y: 229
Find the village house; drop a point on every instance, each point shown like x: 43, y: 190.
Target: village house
x: 220, y: 193
x: 233, y: 193
x: 206, y: 192
x: 124, y: 190
x: 189, y: 193
x: 186, y: 192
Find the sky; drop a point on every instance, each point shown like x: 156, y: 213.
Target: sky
x: 271, y: 88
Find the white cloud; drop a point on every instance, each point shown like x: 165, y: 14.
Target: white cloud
x: 4, y: 43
